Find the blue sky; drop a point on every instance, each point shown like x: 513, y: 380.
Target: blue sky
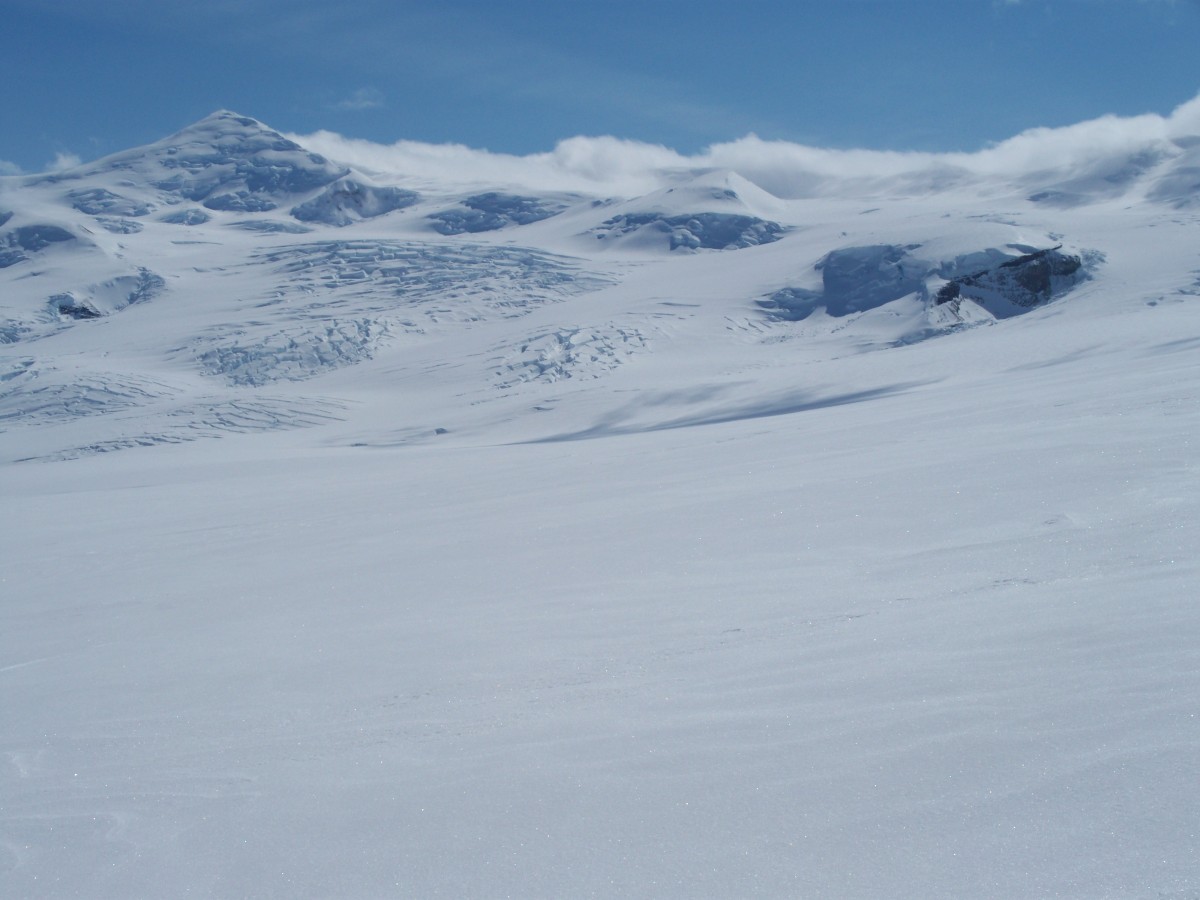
x: 87, y: 78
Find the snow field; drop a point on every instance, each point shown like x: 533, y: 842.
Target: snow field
x: 509, y: 568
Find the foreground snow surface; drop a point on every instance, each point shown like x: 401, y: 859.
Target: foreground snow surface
x: 935, y: 643
x: 611, y: 584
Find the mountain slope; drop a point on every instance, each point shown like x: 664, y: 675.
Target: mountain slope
x: 427, y: 542
x: 229, y: 256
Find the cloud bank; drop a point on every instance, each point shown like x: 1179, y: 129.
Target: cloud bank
x: 615, y: 167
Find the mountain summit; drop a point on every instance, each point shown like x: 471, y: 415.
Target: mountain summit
x: 225, y: 162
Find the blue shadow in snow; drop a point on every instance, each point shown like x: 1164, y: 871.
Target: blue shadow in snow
x: 783, y: 406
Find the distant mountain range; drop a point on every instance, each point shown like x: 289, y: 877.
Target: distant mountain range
x: 228, y: 257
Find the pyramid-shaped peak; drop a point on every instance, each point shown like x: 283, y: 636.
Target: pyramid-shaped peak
x: 226, y: 161
x: 223, y: 114
x: 226, y: 126
x: 734, y: 185
x: 710, y: 190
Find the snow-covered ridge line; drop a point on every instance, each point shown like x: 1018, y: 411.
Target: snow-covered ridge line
x: 229, y: 257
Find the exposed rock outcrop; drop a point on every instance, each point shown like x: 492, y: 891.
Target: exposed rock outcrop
x: 1024, y: 282
x: 111, y: 296
x: 856, y: 279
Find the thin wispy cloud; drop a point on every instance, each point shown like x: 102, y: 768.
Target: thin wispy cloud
x: 9, y: 168
x: 359, y: 100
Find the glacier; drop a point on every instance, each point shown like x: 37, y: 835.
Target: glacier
x: 723, y: 529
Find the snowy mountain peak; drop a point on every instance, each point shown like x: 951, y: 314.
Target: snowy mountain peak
x: 729, y: 185
x: 221, y: 119
x: 229, y: 134
x: 705, y: 210
x: 225, y: 162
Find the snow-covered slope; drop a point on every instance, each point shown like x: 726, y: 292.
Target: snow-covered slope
x: 766, y: 533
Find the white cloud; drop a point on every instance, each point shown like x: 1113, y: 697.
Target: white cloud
x: 608, y: 165
x: 599, y: 164
x: 9, y: 168
x: 1185, y: 120
x: 63, y: 161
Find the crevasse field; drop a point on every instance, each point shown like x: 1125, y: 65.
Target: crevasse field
x: 779, y: 522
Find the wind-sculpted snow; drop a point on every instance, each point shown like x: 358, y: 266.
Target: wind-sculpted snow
x: 347, y: 201
x: 493, y: 211
x: 701, y: 231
